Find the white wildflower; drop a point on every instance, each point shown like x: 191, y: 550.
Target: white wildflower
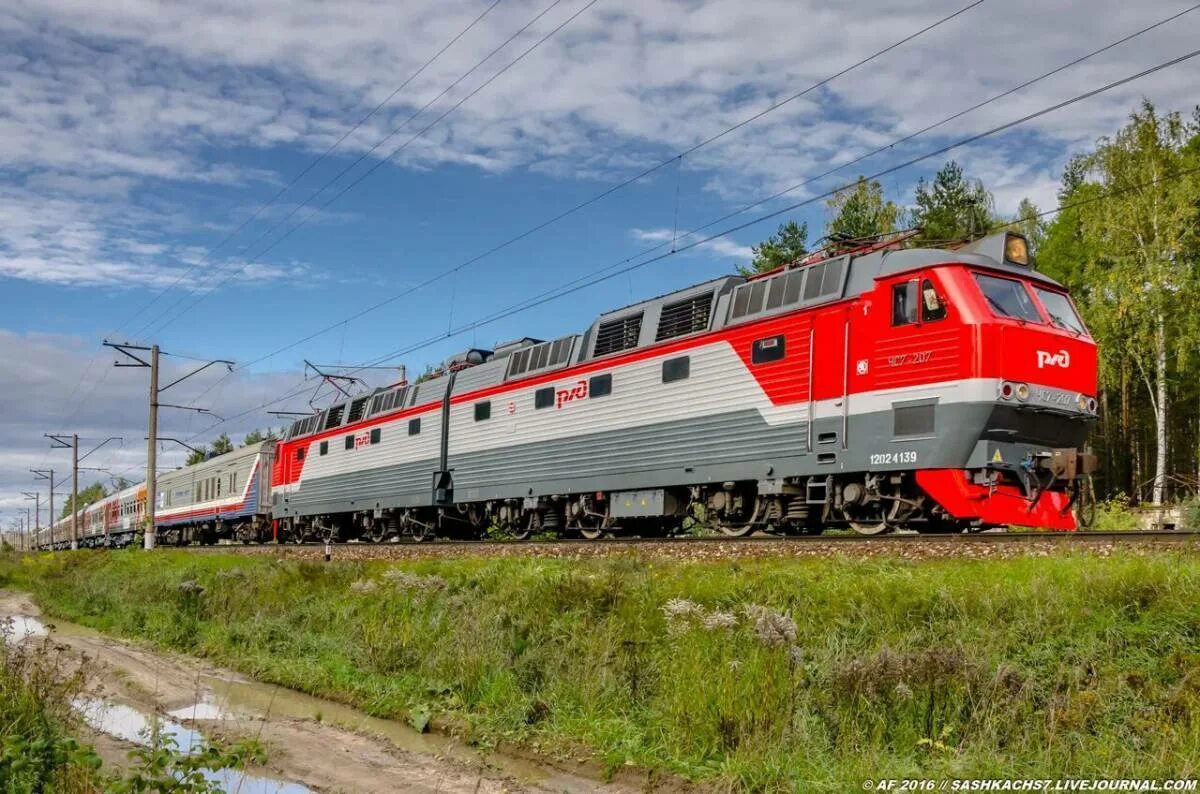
x: 717, y: 620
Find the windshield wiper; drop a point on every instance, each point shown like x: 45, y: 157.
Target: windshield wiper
x: 1001, y: 310
x: 1061, y: 323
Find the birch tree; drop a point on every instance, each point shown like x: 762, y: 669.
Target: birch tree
x: 1142, y: 277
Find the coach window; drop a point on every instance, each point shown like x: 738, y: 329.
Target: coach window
x: 349, y: 442
x: 904, y: 303
x: 483, y: 410
x: 767, y: 350
x: 933, y: 308
x: 674, y: 369
x: 543, y: 398
x: 600, y: 386
x: 324, y: 448
x: 300, y: 453
x: 376, y: 434
x: 414, y: 426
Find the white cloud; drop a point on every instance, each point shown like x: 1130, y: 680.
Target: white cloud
x: 622, y: 85
x: 721, y: 246
x: 44, y: 369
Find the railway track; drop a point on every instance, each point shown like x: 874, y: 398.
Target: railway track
x: 988, y: 544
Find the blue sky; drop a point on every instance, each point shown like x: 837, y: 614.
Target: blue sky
x: 135, y: 137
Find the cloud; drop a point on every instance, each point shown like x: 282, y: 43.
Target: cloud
x: 722, y: 246
x: 45, y: 370
x: 141, y: 88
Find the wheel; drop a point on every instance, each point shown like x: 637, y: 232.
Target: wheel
x: 735, y: 530
x: 870, y: 528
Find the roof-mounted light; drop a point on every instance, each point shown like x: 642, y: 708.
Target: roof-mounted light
x: 1016, y: 250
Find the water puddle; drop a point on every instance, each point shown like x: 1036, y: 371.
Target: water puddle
x: 129, y: 724
x: 269, y: 701
x: 18, y: 628
x: 203, y: 710
x: 223, y: 699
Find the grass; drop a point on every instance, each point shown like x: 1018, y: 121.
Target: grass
x: 760, y: 676
x: 37, y: 751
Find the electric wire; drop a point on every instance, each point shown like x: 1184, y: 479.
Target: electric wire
x: 775, y: 213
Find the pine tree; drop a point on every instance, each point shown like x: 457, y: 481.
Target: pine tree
x: 789, y: 243
x: 952, y: 208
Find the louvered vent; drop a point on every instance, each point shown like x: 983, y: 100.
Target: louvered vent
x: 684, y: 317
x: 389, y: 400
x: 334, y: 417
x: 541, y: 356
x: 356, y: 410
x: 616, y: 335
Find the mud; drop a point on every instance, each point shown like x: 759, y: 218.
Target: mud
x: 312, y: 744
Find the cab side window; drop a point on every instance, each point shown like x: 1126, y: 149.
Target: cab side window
x: 904, y: 303
x: 932, y: 306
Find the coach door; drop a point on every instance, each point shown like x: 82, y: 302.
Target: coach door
x: 828, y: 404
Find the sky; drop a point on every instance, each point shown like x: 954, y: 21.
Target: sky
x: 201, y: 176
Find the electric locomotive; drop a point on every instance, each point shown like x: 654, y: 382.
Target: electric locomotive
x: 880, y: 388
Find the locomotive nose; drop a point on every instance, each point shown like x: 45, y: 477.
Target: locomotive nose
x: 1049, y: 358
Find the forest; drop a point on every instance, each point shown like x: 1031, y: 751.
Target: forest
x: 1124, y: 238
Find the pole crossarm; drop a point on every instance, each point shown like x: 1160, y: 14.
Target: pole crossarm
x: 177, y: 441
x: 198, y: 410
x: 228, y: 365
x: 102, y: 443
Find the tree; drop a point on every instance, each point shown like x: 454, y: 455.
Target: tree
x: 861, y: 212
x: 431, y: 372
x: 789, y: 243
x: 93, y: 493
x: 952, y: 208
x: 222, y: 444
x: 197, y: 455
x: 1029, y: 224
x: 1133, y: 251
x: 255, y: 436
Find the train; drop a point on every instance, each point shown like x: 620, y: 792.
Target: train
x: 876, y: 386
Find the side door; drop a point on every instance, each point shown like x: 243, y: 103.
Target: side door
x: 916, y: 352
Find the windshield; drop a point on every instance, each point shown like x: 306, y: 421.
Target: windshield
x: 1061, y: 312
x: 1008, y: 298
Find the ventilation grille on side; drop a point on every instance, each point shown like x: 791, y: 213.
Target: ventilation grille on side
x: 356, y: 410
x: 616, y: 335
x: 684, y: 317
x: 388, y: 400
x: 546, y: 355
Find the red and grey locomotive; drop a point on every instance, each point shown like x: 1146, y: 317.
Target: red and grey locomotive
x: 880, y: 388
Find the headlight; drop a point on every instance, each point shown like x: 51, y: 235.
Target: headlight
x: 1016, y: 250
x: 1082, y: 402
x: 1022, y: 392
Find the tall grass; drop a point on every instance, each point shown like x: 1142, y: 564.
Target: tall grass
x: 766, y: 675
x: 37, y: 752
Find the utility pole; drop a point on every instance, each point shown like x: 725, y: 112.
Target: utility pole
x: 148, y: 536
x: 48, y: 474
x: 60, y: 442
x: 36, y: 496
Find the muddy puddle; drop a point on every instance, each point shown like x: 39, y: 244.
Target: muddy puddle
x: 128, y: 724
x: 319, y: 744
x: 252, y: 697
x: 18, y: 628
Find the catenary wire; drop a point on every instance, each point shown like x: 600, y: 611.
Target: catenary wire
x: 313, y: 164
x: 908, y: 163
x: 171, y: 315
x: 607, y: 192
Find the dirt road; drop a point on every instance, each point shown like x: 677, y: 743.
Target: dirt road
x: 311, y: 743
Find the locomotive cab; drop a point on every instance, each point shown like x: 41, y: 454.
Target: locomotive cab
x: 1011, y: 370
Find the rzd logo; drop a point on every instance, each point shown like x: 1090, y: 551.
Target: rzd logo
x: 1060, y: 359
x: 577, y: 392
